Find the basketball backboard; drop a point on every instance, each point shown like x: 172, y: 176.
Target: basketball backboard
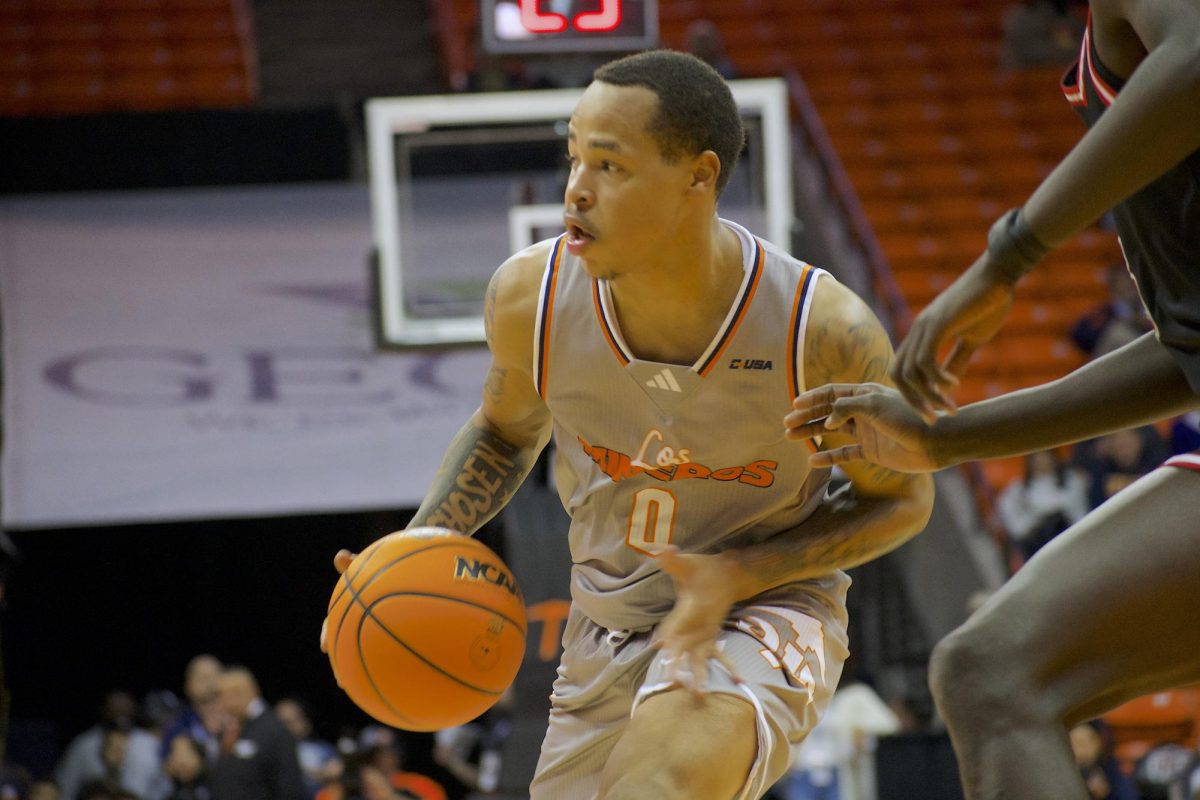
x: 460, y: 182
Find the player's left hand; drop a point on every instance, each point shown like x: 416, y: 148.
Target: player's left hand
x: 688, y: 635
x: 340, y: 562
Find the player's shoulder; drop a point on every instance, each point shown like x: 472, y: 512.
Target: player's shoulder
x: 519, y: 278
x: 510, y: 309
x: 846, y: 342
x: 838, y: 303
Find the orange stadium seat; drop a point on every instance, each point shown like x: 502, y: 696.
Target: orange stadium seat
x: 16, y: 95
x: 150, y: 55
x: 208, y: 53
x: 144, y: 90
x: 1000, y: 472
x: 68, y: 93
x: 111, y: 6
x: 200, y: 25
x: 1142, y: 724
x: 215, y: 88
x: 61, y: 6
x: 136, y: 26
x: 221, y: 6
x: 15, y: 60
x: 74, y: 28
x: 87, y: 57
x: 15, y: 31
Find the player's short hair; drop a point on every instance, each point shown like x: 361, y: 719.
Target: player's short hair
x: 696, y: 110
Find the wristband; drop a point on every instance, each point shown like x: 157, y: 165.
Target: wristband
x: 1013, y: 247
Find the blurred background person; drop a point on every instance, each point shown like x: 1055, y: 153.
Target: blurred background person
x: 1116, y: 322
x: 114, y: 751
x: 187, y: 767
x: 703, y: 40
x: 257, y: 758
x: 319, y: 760
x: 1045, y: 502
x: 1091, y: 742
x: 201, y: 718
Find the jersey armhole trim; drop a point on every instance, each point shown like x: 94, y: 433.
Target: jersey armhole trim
x: 545, y: 318
x: 801, y: 307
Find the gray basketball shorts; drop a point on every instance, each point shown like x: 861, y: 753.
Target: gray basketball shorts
x: 789, y: 662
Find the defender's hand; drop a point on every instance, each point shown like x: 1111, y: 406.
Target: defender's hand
x: 688, y: 635
x: 886, y: 429
x: 963, y: 317
x: 340, y: 562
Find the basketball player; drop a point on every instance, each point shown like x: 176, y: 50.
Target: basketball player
x: 1106, y: 612
x: 662, y: 345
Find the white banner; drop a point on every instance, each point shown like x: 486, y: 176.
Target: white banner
x: 207, y: 353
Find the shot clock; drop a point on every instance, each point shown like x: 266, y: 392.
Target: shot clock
x: 556, y: 26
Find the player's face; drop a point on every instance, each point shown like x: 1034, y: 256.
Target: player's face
x: 623, y: 200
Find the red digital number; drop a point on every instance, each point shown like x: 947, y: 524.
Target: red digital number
x: 536, y: 21
x: 607, y: 18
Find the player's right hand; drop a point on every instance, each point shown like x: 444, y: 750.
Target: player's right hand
x: 340, y: 562
x: 885, y: 429
x: 963, y: 317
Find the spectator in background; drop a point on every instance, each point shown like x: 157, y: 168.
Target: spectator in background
x: 44, y: 790
x: 1185, y: 433
x: 703, y: 40
x: 319, y: 760
x: 364, y: 780
x: 257, y: 758
x: 471, y: 753
x: 1117, y: 322
x: 1091, y: 742
x: 114, y: 749
x: 1049, y: 499
x: 98, y: 790
x: 160, y: 709
x: 1040, y: 33
x: 187, y: 767
x: 14, y: 781
x: 837, y: 760
x: 202, y: 718
x: 1113, y: 462
x: 379, y: 748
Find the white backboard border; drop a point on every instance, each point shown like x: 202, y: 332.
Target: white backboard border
x: 390, y: 117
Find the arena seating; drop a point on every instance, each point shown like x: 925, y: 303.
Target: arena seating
x: 86, y: 56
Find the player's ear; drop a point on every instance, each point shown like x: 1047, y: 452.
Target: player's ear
x: 706, y: 168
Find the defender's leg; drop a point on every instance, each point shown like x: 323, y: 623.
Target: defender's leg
x: 1103, y: 614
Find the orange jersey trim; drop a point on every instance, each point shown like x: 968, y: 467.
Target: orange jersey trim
x: 547, y: 318
x: 609, y: 336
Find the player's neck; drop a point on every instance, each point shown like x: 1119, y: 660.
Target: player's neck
x: 671, y: 313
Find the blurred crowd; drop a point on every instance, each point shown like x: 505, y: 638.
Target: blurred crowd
x: 1060, y: 486
x: 222, y: 740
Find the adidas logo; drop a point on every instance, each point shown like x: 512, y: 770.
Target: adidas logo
x: 664, y: 380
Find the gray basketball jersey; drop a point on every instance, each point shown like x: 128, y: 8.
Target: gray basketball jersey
x: 651, y: 453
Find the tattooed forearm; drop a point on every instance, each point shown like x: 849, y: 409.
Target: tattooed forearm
x: 478, y: 476
x: 845, y: 531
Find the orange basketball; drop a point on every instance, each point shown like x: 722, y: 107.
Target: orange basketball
x: 426, y: 629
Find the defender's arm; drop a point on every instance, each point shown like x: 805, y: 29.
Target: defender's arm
x: 880, y: 509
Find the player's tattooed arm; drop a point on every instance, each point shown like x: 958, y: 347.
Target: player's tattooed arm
x: 489, y: 458
x: 478, y: 476
x: 880, y: 509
